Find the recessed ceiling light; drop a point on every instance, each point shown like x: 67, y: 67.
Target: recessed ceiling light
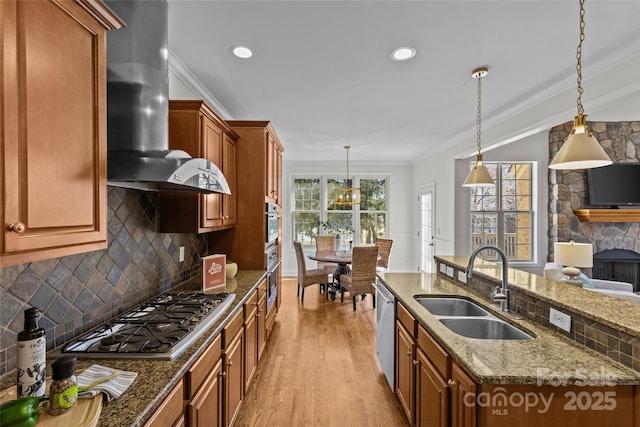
x: 403, y: 53
x: 241, y: 52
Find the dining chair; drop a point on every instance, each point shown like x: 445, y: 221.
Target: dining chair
x: 383, y: 254
x: 363, y: 274
x: 307, y: 277
x: 326, y: 244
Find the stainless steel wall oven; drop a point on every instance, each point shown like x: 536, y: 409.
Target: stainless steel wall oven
x: 272, y: 223
x: 271, y: 254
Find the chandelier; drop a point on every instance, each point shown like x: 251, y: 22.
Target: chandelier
x: 347, y: 195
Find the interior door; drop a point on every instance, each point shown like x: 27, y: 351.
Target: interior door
x: 426, y: 246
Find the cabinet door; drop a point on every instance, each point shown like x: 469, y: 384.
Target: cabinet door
x: 205, y: 409
x: 277, y: 178
x: 53, y: 131
x: 463, y: 392
x: 211, y: 204
x: 432, y: 394
x: 270, y: 169
x: 405, y: 347
x: 262, y: 318
x: 229, y: 172
x: 171, y: 409
x: 250, y: 339
x: 234, y: 381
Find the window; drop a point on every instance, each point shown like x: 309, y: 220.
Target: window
x: 306, y: 210
x: 503, y: 215
x: 315, y: 213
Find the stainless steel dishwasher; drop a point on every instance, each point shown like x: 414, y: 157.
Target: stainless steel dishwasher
x: 385, y: 330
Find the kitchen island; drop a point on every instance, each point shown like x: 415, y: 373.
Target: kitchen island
x: 551, y: 366
x: 156, y: 378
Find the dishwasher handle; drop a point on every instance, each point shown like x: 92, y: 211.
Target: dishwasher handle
x: 383, y: 293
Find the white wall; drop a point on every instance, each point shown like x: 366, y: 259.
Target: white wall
x: 452, y: 200
x: 401, y: 207
x: 532, y: 148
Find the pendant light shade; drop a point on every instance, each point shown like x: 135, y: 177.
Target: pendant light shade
x: 581, y: 150
x: 347, y: 195
x: 479, y: 175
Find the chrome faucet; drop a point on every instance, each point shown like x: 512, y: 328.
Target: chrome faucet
x: 501, y: 293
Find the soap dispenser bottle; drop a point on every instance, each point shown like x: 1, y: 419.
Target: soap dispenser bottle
x: 32, y: 356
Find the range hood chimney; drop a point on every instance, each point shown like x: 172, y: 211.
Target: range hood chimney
x: 138, y: 108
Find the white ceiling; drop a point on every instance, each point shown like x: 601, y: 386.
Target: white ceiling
x: 321, y: 70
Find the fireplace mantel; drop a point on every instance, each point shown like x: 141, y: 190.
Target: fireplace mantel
x: 608, y: 215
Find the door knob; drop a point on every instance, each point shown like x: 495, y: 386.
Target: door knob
x: 17, y: 227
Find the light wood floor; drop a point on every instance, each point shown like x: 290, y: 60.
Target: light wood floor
x: 320, y: 367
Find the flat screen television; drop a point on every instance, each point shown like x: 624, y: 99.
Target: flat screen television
x: 614, y: 185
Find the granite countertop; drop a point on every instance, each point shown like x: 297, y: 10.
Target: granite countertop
x: 618, y: 313
x: 156, y: 378
x: 549, y: 355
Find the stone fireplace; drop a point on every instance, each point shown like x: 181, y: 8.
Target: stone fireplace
x: 568, y: 191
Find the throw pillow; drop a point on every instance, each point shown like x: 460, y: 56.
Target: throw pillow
x: 586, y: 282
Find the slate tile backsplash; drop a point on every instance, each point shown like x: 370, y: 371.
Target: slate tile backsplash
x: 78, y: 292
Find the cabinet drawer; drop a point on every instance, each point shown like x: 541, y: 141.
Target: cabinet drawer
x: 232, y: 328
x: 436, y: 354
x: 406, y: 319
x: 196, y: 375
x: 249, y: 307
x: 171, y: 410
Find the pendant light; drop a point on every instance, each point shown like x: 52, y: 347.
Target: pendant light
x: 581, y: 150
x: 347, y: 195
x: 479, y: 175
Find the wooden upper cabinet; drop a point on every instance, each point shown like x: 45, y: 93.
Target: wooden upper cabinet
x: 274, y: 170
x: 229, y: 203
x: 265, y: 157
x: 211, y: 204
x: 196, y: 129
x: 53, y: 128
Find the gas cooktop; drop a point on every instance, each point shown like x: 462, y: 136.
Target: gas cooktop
x: 161, y: 328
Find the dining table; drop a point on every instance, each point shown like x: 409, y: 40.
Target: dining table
x: 342, y: 258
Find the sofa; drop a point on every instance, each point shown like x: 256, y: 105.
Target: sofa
x: 623, y: 290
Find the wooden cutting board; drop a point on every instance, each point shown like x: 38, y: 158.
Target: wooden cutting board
x: 85, y: 413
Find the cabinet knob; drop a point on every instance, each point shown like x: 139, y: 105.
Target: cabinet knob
x: 451, y: 383
x: 229, y: 363
x: 415, y: 362
x: 408, y: 352
x: 17, y: 227
x: 223, y: 374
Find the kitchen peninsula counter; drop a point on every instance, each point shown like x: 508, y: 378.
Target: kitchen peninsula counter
x: 506, y: 361
x: 156, y: 378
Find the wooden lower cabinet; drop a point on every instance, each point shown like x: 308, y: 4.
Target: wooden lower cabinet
x: 432, y: 394
x: 261, y: 316
x: 463, y: 398
x: 250, y: 339
x: 435, y: 391
x: 405, y: 373
x: 212, y: 390
x: 171, y: 411
x: 205, y: 408
x: 204, y: 388
x: 233, y: 356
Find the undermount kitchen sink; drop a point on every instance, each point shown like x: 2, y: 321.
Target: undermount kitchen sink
x: 470, y: 320
x: 484, y: 328
x: 452, y: 307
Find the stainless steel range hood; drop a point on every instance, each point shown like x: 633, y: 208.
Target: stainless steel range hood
x: 137, y: 108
